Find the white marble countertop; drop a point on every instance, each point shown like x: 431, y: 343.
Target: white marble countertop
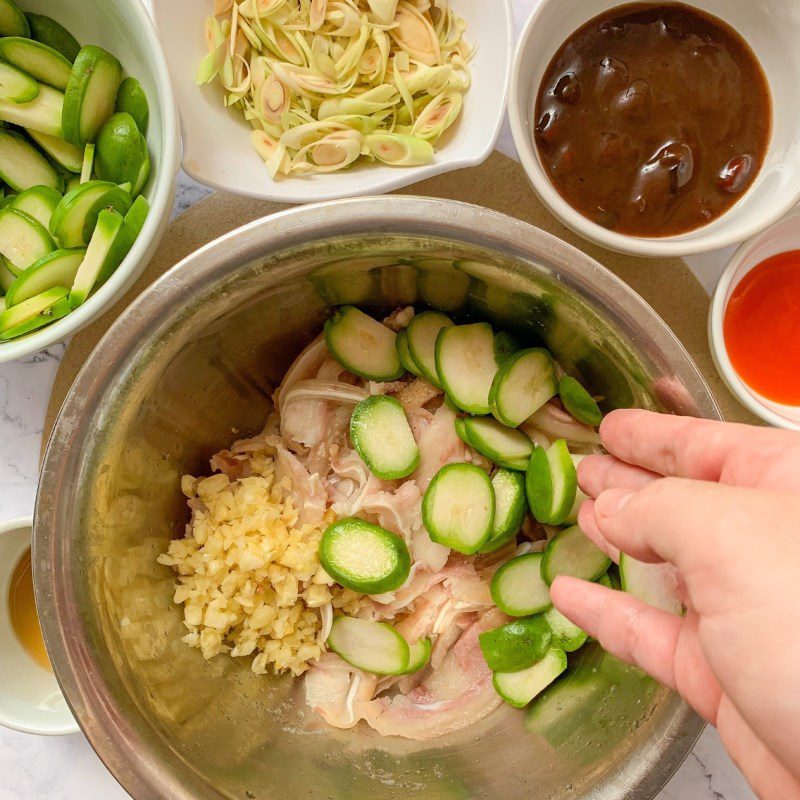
x: 66, y: 768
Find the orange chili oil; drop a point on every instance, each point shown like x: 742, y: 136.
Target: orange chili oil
x: 762, y: 328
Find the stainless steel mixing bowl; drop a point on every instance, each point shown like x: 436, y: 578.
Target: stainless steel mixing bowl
x: 191, y: 365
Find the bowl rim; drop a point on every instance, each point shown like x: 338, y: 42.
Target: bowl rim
x: 115, y: 738
x: 313, y: 192
x: 655, y: 247
x: 716, y: 336
x: 160, y: 206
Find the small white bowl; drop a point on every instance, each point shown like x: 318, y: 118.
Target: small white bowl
x: 124, y: 28
x: 216, y: 141
x: 779, y: 238
x: 30, y: 698
x: 771, y: 28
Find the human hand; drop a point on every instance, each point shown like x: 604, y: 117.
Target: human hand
x: 721, y: 502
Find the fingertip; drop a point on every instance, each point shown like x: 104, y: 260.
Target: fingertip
x: 590, y: 473
x: 609, y: 503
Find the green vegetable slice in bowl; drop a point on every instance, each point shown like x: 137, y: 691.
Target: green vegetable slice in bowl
x: 52, y: 33
x: 364, y: 557
x: 551, y: 483
x: 90, y: 94
x: 69, y: 221
x: 518, y: 588
x: 505, y: 345
x: 524, y: 383
x: 132, y: 99
x: 422, y: 333
x: 519, y: 688
x: 124, y: 240
x: 23, y: 166
x: 42, y: 114
x: 458, y: 508
x: 466, y: 366
x: 382, y: 437
x: 120, y: 154
x: 510, y: 506
x: 566, y: 634
x: 49, y: 315
x: 506, y: 447
x: 516, y: 645
x: 571, y: 552
x: 58, y: 268
x: 38, y: 201
x: 23, y: 240
x: 66, y: 155
x: 419, y: 655
x: 362, y: 345
x: 38, y: 60
x: 16, y: 86
x: 12, y: 20
x: 578, y: 402
x: 375, y: 647
x: 404, y: 354
x: 108, y: 225
x: 15, y: 316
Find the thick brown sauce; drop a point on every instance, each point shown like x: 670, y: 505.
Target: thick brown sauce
x: 653, y: 119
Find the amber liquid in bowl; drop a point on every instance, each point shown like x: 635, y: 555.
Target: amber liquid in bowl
x: 22, y: 610
x: 653, y: 119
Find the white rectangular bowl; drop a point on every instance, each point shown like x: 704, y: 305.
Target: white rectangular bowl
x: 216, y: 141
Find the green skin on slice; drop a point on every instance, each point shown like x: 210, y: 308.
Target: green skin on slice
x: 12, y: 20
x: 123, y: 242
x: 119, y: 155
x: 23, y: 240
x: 375, y: 647
x: 516, y: 645
x: 518, y: 588
x: 16, y: 86
x: 524, y: 383
x: 419, y: 655
x: 37, y: 59
x: 519, y: 688
x: 578, y: 402
x: 63, y: 153
x: 505, y: 345
x: 42, y: 114
x: 466, y: 365
x: 364, y: 557
x: 39, y: 202
x: 422, y: 332
x: 506, y: 447
x: 68, y: 222
x: 458, y: 508
x: 90, y: 94
x: 18, y: 315
x: 405, y: 355
x: 567, y: 635
x: 58, y: 310
x: 132, y: 99
x: 510, y: 507
x: 382, y: 437
x: 53, y: 34
x: 362, y: 345
x: 117, y: 199
x: 551, y: 483
x: 58, y: 268
x: 571, y: 552
x: 23, y: 166
x: 108, y: 226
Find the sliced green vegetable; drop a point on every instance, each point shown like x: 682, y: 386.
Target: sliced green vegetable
x: 507, y: 447
x: 38, y: 60
x: 101, y: 243
x: 382, y: 437
x: 124, y: 240
x: 144, y: 170
x: 53, y: 34
x: 509, y: 508
x: 56, y: 311
x: 567, y: 635
x: 518, y: 588
x: 23, y: 240
x: 42, y: 114
x: 364, y: 557
x: 39, y: 202
x: 605, y: 580
x: 12, y: 20
x: 118, y: 199
x: 7, y: 278
x: 372, y: 646
x: 580, y: 496
x: 516, y: 645
x: 656, y: 584
x: 88, y: 163
x: 90, y: 94
x: 363, y: 345
x: 571, y: 552
x: 458, y: 508
x: 15, y: 316
x: 519, y: 688
x: 551, y: 483
x: 16, y: 86
x: 578, y: 402
x: 465, y: 365
x: 422, y: 332
x: 69, y: 219
x: 419, y: 655
x: 132, y: 100
x: 405, y: 356
x: 524, y: 383
x: 119, y: 150
x: 63, y: 153
x: 505, y: 345
x: 23, y: 166
x: 58, y: 268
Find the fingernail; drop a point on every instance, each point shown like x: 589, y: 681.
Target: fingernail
x: 612, y: 502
